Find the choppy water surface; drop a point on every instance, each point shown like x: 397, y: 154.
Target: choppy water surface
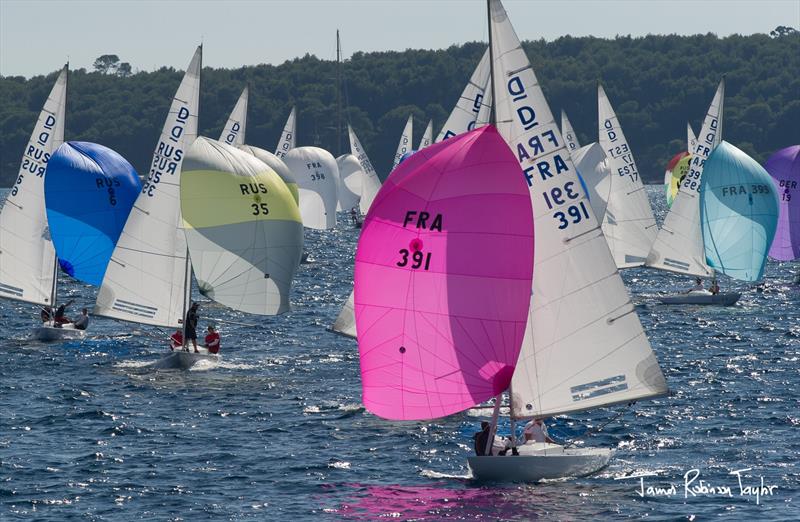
x: 88, y: 430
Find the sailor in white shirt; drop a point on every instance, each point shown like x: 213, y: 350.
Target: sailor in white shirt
x: 698, y: 286
x: 536, y: 431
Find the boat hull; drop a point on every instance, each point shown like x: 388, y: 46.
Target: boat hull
x: 48, y: 333
x: 726, y: 299
x: 181, y: 360
x: 540, y: 462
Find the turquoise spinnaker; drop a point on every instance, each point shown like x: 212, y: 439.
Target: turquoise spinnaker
x: 89, y: 191
x: 739, y: 213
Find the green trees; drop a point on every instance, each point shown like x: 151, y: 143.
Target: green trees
x: 656, y: 84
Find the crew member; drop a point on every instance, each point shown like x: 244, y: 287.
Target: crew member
x: 212, y: 340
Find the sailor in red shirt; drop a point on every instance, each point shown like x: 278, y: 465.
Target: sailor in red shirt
x: 212, y: 340
x: 176, y: 340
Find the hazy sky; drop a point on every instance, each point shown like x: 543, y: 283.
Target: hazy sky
x: 38, y: 36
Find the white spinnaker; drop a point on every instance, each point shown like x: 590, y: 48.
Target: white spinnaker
x: 317, y: 181
x: 345, y: 323
x: 370, y: 182
x: 679, y: 244
x: 287, y: 141
x: 469, y: 105
x: 569, y: 134
x: 405, y: 141
x: 27, y: 257
x: 233, y: 132
x: 147, y: 280
x: 592, y: 165
x: 427, y: 136
x: 691, y: 139
x: 584, y: 346
x: 350, y: 178
x: 629, y: 224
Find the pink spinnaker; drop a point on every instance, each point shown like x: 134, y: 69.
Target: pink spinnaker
x: 784, y: 167
x: 443, y: 279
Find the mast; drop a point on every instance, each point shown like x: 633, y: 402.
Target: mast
x: 338, y: 96
x: 492, y: 111
x: 54, y: 289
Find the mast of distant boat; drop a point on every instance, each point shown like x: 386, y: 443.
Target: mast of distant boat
x: 338, y: 95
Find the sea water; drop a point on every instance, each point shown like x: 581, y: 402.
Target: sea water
x: 276, y: 429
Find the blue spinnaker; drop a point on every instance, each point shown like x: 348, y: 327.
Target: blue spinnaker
x: 89, y: 191
x: 739, y: 213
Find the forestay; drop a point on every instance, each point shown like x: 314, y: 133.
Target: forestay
x: 148, y: 280
x: 287, y: 141
x: 234, y: 130
x: 276, y: 164
x: 470, y: 103
x: 442, y: 273
x: 739, y: 213
x: 784, y: 168
x: 404, y: 146
x: 679, y: 244
x: 89, y: 190
x: 629, y: 224
x: 584, y: 346
x: 316, y: 173
x: 350, y: 176
x: 427, y: 136
x: 569, y: 134
x: 370, y: 182
x: 27, y: 256
x: 244, y: 252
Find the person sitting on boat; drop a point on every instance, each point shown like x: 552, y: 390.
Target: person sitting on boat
x: 82, y: 322
x: 499, y: 445
x: 190, y: 326
x: 46, y: 314
x: 536, y: 431
x: 714, y: 288
x: 698, y: 286
x: 60, y: 316
x: 176, y: 340
x: 212, y: 340
x: 354, y: 216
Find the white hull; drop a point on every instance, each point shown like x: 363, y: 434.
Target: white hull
x: 181, y: 360
x: 540, y: 461
x: 698, y: 298
x: 47, y: 332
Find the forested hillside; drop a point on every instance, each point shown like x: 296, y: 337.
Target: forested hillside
x: 656, y: 84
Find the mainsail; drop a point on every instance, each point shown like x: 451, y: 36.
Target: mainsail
x: 679, y: 244
x: 317, y: 180
x: 469, y: 105
x: 235, y: 127
x: 441, y: 291
x: 584, y: 346
x: 27, y: 256
x: 427, y: 136
x: 89, y: 190
x: 370, y: 182
x: 404, y: 146
x: 287, y: 141
x: 739, y: 212
x: 148, y: 280
x: 784, y: 167
x: 628, y: 224
x: 691, y: 139
x: 246, y: 251
x: 569, y: 135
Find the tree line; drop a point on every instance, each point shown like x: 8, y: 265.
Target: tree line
x: 656, y: 84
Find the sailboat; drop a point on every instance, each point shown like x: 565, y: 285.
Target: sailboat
x: 317, y: 180
x: 784, y: 167
x: 233, y: 133
x: 28, y: 265
x: 678, y: 166
x: 148, y: 280
x: 628, y: 224
x: 404, y: 145
x: 591, y: 162
x: 569, y: 134
x: 471, y: 109
x: 287, y: 139
x: 350, y: 179
x: 427, y: 136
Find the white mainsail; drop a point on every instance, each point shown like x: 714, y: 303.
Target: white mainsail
x: 592, y: 165
x: 584, y: 346
x: 691, y: 139
x: 27, y: 257
x: 287, y: 141
x: 350, y: 178
x: 629, y: 224
x: 427, y: 136
x: 345, y: 323
x: 370, y: 182
x: 679, y: 244
x: 317, y: 180
x: 568, y: 133
x: 405, y: 141
x: 148, y: 279
x: 234, y: 130
x: 470, y: 103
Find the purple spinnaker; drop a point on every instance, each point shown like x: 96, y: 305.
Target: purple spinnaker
x: 443, y: 279
x: 784, y: 167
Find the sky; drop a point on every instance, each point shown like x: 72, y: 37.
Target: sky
x: 38, y: 36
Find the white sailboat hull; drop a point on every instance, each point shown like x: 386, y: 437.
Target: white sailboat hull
x: 540, y: 461
x: 181, y: 360
x: 702, y: 298
x: 48, y: 332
